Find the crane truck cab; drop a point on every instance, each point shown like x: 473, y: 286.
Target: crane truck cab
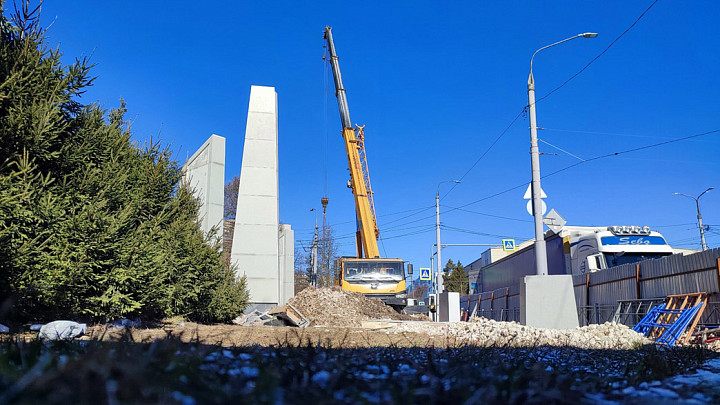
x: 593, y: 248
x: 382, y: 279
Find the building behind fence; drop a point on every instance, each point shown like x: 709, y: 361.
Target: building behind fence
x: 637, y: 285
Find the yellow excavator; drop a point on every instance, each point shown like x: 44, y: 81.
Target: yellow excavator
x: 366, y: 273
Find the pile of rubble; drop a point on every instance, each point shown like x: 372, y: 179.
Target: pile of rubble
x: 490, y: 333
x: 339, y: 308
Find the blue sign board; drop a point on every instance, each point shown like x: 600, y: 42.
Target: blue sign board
x: 633, y: 240
x: 425, y: 274
x: 508, y: 245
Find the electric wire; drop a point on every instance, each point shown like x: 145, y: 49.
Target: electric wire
x: 524, y: 184
x: 550, y: 93
x: 562, y: 150
x: 632, y: 150
x: 408, y: 216
x: 396, y: 229
x: 520, y: 114
x: 544, y: 176
x: 389, y: 214
x: 451, y: 228
x: 601, y: 133
x: 489, y: 215
x: 599, y: 55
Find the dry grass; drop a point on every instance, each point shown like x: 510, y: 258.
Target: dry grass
x: 287, y: 365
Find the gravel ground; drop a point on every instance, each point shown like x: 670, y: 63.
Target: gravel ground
x: 490, y: 333
x: 172, y: 372
x: 336, y: 361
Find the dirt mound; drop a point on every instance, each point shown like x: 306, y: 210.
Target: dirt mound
x: 336, y: 307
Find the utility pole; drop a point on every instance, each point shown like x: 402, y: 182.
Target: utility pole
x: 439, y: 280
x: 699, y: 216
x: 324, y: 201
x: 440, y: 286
x: 433, y: 280
x: 540, y: 250
x: 314, y: 257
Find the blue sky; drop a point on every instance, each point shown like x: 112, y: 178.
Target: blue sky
x: 435, y: 83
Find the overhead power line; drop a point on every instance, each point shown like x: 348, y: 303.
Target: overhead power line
x: 489, y: 215
x: 548, y: 95
x: 632, y: 150
x: 486, y: 151
x: 420, y: 209
x: 599, y: 55
x: 524, y: 184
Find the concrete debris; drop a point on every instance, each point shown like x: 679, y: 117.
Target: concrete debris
x: 61, y: 330
x: 253, y: 318
x: 126, y: 323
x: 291, y: 315
x: 4, y: 329
x: 339, y: 308
x: 490, y: 333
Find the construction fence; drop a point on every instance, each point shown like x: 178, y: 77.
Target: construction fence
x: 622, y: 294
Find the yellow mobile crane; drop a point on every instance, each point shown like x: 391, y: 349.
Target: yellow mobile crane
x: 367, y: 273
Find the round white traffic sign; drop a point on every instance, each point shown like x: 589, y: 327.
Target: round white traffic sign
x: 529, y: 207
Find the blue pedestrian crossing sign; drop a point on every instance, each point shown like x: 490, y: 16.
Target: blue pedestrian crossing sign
x: 509, y: 245
x: 425, y: 274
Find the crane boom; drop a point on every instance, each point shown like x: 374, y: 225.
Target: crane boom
x: 367, y: 230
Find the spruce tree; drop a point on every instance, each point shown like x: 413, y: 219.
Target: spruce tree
x: 92, y: 224
x: 455, y: 278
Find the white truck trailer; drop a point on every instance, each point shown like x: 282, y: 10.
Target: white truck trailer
x: 588, y: 249
x: 577, y: 250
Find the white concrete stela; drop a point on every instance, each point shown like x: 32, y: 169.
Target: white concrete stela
x: 262, y: 249
x: 205, y: 173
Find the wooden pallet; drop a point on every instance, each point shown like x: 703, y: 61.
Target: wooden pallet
x: 679, y: 303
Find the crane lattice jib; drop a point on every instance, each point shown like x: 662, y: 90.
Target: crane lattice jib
x: 359, y: 176
x: 366, y: 175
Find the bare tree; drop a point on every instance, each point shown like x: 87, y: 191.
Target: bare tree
x: 232, y: 188
x: 302, y: 276
x: 420, y: 289
x: 327, y: 253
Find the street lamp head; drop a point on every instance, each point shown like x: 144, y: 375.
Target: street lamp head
x: 709, y: 188
x: 584, y: 35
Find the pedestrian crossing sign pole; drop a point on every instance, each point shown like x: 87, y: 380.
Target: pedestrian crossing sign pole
x: 425, y: 274
x: 509, y: 245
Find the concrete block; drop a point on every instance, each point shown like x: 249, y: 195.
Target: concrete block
x: 449, y: 307
x: 548, y: 302
x: 286, y: 263
x: 205, y: 173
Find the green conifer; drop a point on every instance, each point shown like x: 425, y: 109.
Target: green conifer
x: 92, y: 224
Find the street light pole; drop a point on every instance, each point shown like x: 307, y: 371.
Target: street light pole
x: 699, y: 216
x: 440, y: 282
x: 540, y: 250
